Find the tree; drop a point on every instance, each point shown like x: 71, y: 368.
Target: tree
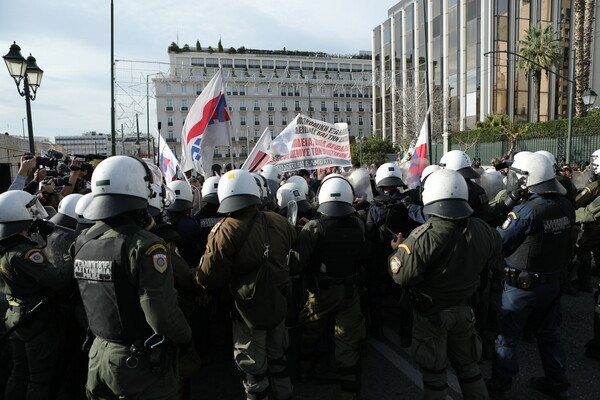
x: 541, y: 47
x: 374, y: 150
x: 493, y: 120
x: 583, y: 36
x: 174, y: 48
x: 512, y: 132
x: 219, y: 47
x: 186, y: 47
x: 210, y: 49
x: 198, y: 47
x: 231, y: 50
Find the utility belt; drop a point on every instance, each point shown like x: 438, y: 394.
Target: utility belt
x: 425, y: 305
x: 526, y: 280
x: 156, y: 351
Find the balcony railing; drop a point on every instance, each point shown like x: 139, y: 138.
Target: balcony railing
x: 169, y: 108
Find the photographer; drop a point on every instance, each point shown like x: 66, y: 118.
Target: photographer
x: 27, y: 164
x: 48, y: 195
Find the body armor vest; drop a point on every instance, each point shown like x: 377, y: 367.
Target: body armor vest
x: 546, y: 248
x: 58, y: 244
x: 111, y: 298
x: 341, y: 241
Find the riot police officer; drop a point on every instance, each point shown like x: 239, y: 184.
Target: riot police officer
x: 246, y: 245
x: 537, y: 239
x: 440, y: 264
x: 208, y: 216
x: 332, y: 249
x: 27, y: 278
x: 125, y: 279
x: 178, y: 215
x: 273, y: 175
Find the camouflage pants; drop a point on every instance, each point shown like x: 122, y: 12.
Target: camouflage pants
x: 449, y: 336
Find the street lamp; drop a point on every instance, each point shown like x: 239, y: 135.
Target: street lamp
x: 138, y: 146
x: 31, y: 75
x: 589, y: 97
x: 148, y: 109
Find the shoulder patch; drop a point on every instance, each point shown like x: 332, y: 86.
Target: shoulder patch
x: 160, y: 262
x: 217, y: 225
x: 418, y: 231
x: 512, y: 214
x: 405, y: 247
x: 509, y: 219
x: 35, y: 255
x: 395, y: 264
x: 154, y: 247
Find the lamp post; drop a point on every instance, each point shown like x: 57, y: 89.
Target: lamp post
x: 23, y: 125
x: 138, y: 146
x: 589, y: 97
x: 148, y: 109
x: 360, y: 149
x: 31, y: 75
x: 446, y: 136
x: 137, y: 141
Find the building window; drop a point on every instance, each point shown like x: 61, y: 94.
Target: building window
x: 270, y: 119
x: 242, y: 105
x: 242, y: 90
x: 270, y: 105
x: 335, y: 106
x: 323, y: 108
x: 335, y: 119
x: 184, y: 106
x: 323, y: 91
x: 283, y: 106
x: 284, y: 120
x: 297, y: 105
x: 256, y: 90
x: 198, y: 89
x: 183, y: 89
x: 360, y: 120
x: 360, y: 132
x: 256, y: 120
x: 348, y: 108
x: 256, y: 105
x: 242, y: 120
x: 269, y: 90
x: 348, y: 121
x: 169, y: 105
x: 169, y: 121
x: 360, y: 106
x: 168, y: 88
x: 228, y: 90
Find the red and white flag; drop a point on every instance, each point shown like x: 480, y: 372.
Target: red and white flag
x: 168, y: 162
x: 259, y: 155
x: 206, y: 126
x: 418, y: 160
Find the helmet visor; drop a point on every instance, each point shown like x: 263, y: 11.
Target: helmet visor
x: 516, y: 179
x: 36, y: 209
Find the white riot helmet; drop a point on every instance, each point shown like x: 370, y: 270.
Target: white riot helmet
x: 300, y: 182
x: 209, y: 190
x: 445, y: 195
x: 428, y: 171
x: 66, y: 216
x: 271, y: 172
x: 460, y: 162
x: 388, y: 174
x: 492, y: 182
x: 119, y: 184
x: 549, y: 156
x: 336, y: 196
x: 237, y: 190
x: 80, y: 208
x: 18, y: 209
x: 521, y: 154
x: 183, y: 196
x: 163, y: 197
x: 535, y: 173
x: 291, y: 191
x: 595, y: 162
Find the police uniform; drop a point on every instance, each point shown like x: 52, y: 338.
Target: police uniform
x: 189, y: 233
x: 206, y: 219
x: 590, y: 238
x: 259, y: 354
x: 440, y: 263
x: 537, y: 239
x: 26, y: 278
x: 125, y: 279
x: 332, y: 248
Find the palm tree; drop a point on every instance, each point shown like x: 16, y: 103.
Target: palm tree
x: 583, y: 36
x: 540, y: 46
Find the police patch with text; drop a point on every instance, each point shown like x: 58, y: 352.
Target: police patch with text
x: 92, y: 270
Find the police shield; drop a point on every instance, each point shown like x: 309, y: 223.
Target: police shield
x: 581, y: 178
x: 361, y: 182
x: 292, y: 212
x: 492, y: 182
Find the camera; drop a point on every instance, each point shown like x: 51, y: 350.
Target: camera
x: 43, y: 161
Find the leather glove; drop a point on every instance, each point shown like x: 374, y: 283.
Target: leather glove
x: 407, y: 201
x: 514, y: 198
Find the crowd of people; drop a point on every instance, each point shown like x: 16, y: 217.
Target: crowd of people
x: 118, y: 284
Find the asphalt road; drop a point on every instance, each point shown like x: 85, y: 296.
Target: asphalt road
x: 389, y: 373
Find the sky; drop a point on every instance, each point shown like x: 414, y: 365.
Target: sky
x: 71, y: 42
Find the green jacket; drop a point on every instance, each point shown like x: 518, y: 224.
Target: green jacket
x: 25, y: 272
x: 443, y: 259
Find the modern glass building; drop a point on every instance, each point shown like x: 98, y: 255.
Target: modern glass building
x: 451, y: 37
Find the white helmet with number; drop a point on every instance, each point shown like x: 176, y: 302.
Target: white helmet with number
x: 534, y: 172
x: 291, y: 191
x: 460, y: 162
x: 237, y: 190
x: 183, y: 196
x: 336, y: 196
x: 66, y: 216
x: 300, y: 182
x: 271, y: 172
x: 18, y: 209
x: 80, y: 208
x: 595, y: 162
x: 209, y: 190
x: 119, y: 184
x: 388, y: 174
x: 445, y: 195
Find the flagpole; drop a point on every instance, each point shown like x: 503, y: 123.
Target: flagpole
x: 428, y: 116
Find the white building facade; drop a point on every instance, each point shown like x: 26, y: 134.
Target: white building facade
x: 267, y: 89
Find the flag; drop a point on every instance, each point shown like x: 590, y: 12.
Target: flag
x: 206, y: 126
x: 418, y: 160
x: 259, y: 155
x: 282, y: 144
x: 168, y: 162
